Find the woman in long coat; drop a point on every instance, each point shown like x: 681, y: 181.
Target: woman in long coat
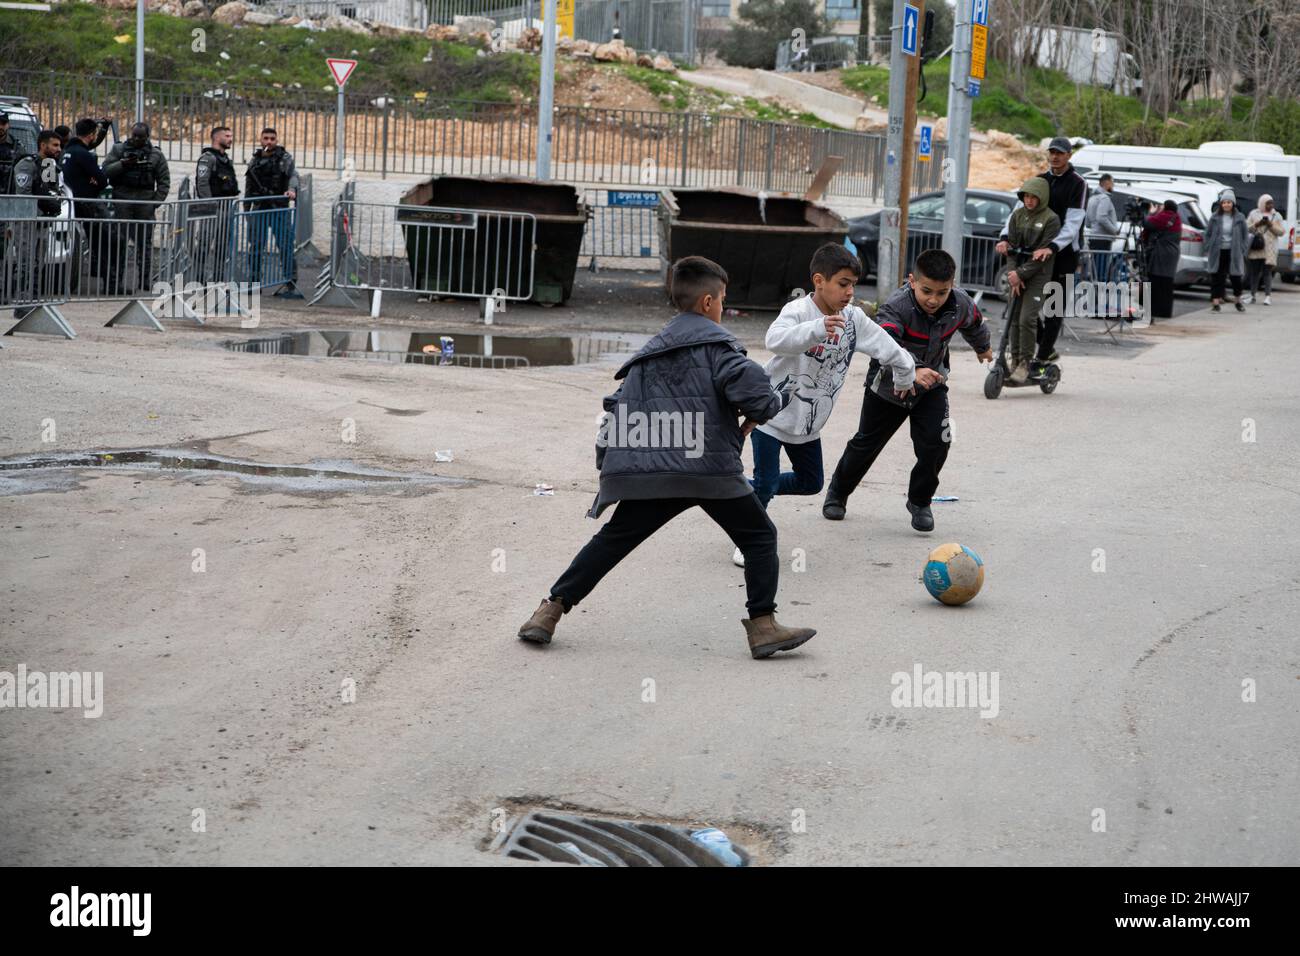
x: 1226, y: 244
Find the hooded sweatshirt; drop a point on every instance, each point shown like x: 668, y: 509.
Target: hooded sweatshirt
x: 1033, y: 230
x: 815, y: 364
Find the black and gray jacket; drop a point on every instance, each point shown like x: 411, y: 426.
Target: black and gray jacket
x: 138, y: 172
x: 270, y: 174
x: 39, y: 177
x: 926, y: 337
x: 672, y: 429
x: 214, y: 178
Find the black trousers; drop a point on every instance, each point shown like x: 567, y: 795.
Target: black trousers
x: 931, y: 439
x: 1063, y: 264
x: 1162, y: 297
x: 1222, y: 276
x: 744, y: 519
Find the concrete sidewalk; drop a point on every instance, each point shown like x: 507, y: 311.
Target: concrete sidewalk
x: 1120, y: 690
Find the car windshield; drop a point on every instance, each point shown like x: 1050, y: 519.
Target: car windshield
x: 24, y: 134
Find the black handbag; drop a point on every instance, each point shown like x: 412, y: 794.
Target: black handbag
x: 1257, y: 242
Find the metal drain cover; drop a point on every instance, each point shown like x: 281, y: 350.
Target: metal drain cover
x: 595, y: 841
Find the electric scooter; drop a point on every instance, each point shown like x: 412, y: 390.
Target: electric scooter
x: 1046, y: 375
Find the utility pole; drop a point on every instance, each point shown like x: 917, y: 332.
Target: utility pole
x: 890, y: 258
x: 546, y: 94
x: 139, y: 61
x: 957, y: 166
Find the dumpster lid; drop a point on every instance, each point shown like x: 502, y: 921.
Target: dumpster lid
x: 542, y: 198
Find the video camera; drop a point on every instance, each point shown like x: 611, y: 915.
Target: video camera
x: 1135, y: 211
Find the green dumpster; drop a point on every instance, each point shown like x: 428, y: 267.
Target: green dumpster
x: 500, y: 248
x: 764, y: 242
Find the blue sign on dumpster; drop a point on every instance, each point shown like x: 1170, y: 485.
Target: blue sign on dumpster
x: 627, y: 198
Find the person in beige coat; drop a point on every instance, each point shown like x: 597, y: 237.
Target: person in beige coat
x: 1264, y: 221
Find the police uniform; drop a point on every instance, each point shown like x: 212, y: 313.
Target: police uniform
x: 11, y: 152
x: 270, y: 173
x: 215, y: 178
x: 137, y: 171
x: 38, y: 177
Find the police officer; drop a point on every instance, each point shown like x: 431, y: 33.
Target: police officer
x: 215, y: 178
x: 272, y: 183
x: 38, y: 176
x: 82, y: 175
x: 138, y: 171
x: 10, y: 152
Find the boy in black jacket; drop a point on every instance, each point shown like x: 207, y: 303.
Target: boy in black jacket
x: 922, y: 316
x: 669, y: 441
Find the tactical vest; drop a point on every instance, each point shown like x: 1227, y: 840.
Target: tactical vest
x: 267, y: 173
x: 47, y: 186
x: 223, y: 181
x: 139, y: 174
x: 10, y: 153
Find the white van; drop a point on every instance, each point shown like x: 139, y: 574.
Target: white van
x: 1250, y: 169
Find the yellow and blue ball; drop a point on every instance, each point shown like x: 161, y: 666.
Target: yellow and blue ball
x: 953, y: 573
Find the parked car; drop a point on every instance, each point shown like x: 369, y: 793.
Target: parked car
x: 1192, y: 264
x: 986, y: 213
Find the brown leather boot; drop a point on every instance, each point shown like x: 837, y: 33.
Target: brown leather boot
x: 766, y: 636
x: 540, y: 628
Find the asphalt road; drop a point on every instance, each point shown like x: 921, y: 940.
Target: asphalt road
x: 1141, y: 582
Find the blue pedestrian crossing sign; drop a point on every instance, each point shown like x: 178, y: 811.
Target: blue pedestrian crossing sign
x: 911, y: 27
x: 923, y: 152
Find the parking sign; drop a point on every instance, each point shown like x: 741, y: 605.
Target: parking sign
x: 980, y: 12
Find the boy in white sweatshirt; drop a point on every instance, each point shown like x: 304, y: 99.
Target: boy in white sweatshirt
x: 812, y: 342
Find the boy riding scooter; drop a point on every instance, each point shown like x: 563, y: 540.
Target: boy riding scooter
x: 1032, y: 226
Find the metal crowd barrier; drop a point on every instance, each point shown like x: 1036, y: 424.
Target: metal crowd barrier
x: 464, y: 253
x: 36, y: 253
x: 982, y: 268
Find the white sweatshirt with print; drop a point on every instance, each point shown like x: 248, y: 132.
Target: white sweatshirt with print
x: 817, y: 363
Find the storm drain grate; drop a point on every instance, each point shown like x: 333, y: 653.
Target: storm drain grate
x: 593, y: 841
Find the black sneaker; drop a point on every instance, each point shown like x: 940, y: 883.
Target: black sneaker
x: 922, y: 517
x: 1240, y: 307
x: 1215, y: 308
x: 833, y: 508
x: 1054, y: 357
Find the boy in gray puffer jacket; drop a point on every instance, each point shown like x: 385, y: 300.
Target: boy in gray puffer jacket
x: 670, y: 440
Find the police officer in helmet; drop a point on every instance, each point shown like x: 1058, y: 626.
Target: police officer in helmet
x: 271, y: 183
x: 138, y: 171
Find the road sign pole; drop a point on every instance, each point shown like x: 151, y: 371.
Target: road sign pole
x: 956, y: 172
x: 338, y: 136
x: 546, y: 94
x: 887, y: 256
x: 913, y: 67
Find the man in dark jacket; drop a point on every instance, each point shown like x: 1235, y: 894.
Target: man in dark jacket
x: 270, y: 185
x: 1068, y: 198
x: 214, y: 178
x: 923, y: 316
x: 670, y: 440
x: 138, y: 171
x: 82, y: 175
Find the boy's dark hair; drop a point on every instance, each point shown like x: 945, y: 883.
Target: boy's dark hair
x: 63, y: 132
x: 831, y: 258
x: 936, y: 265
x: 692, y: 277
x: 85, y: 127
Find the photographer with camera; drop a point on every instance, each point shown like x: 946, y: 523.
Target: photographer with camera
x: 138, y: 171
x: 1162, y: 238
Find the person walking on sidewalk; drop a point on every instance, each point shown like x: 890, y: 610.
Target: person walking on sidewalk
x: 1265, y: 226
x: 1226, y: 244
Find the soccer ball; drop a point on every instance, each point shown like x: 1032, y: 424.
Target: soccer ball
x: 953, y: 573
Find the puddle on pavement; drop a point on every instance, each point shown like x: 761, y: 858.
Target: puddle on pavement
x: 28, y: 473
x: 485, y: 350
